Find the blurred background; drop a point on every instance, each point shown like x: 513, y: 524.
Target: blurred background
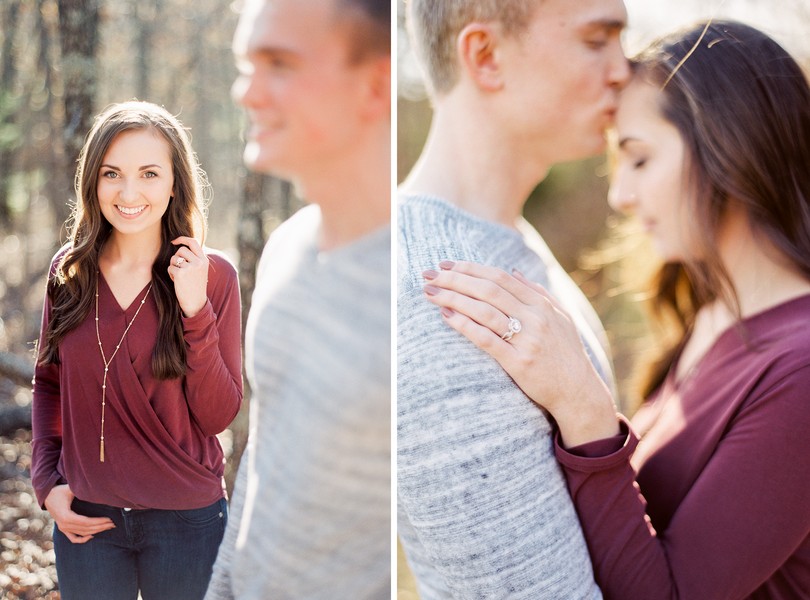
x: 607, y: 256
x: 62, y: 62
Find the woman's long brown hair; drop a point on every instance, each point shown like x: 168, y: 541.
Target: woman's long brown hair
x: 741, y: 104
x: 71, y: 287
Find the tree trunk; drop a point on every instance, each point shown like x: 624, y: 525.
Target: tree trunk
x: 146, y: 11
x: 9, y: 111
x: 78, y: 33
x: 259, y: 193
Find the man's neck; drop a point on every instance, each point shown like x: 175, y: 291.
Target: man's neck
x: 468, y: 162
x: 353, y: 192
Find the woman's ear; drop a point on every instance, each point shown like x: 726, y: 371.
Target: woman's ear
x: 478, y: 51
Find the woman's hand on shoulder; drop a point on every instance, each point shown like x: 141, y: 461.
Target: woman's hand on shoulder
x: 188, y: 269
x: 78, y: 528
x: 532, y: 337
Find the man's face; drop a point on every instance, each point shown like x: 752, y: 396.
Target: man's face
x: 300, y: 91
x: 562, y: 77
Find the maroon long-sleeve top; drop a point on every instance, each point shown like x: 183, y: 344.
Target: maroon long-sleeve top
x: 159, y: 435
x: 713, y: 502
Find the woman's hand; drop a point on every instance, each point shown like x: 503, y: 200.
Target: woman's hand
x: 188, y: 269
x: 545, y: 357
x: 78, y: 528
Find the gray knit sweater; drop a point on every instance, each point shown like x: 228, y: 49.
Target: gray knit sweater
x: 311, y: 513
x: 483, y: 507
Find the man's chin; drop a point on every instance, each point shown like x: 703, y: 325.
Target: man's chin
x: 259, y: 160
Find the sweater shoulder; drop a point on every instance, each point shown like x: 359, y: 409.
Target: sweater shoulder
x: 430, y: 231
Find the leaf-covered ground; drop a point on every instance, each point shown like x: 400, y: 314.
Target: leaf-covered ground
x: 27, y: 569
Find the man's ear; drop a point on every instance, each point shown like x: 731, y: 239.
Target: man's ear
x: 377, y: 91
x: 479, y: 54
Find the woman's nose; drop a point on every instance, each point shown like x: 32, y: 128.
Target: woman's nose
x: 621, y: 198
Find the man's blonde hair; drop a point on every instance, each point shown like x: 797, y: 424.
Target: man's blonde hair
x: 434, y: 26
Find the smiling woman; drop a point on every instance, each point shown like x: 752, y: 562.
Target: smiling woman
x: 125, y: 456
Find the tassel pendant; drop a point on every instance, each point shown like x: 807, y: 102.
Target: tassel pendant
x: 107, y: 363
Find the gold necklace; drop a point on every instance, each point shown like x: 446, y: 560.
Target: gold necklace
x: 107, y: 363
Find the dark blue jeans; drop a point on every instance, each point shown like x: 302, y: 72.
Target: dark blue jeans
x: 166, y: 554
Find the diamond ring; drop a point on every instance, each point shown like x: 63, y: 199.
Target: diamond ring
x: 179, y: 262
x: 514, y: 327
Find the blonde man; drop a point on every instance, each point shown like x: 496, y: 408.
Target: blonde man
x: 516, y: 86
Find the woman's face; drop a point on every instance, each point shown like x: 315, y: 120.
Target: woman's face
x: 649, y: 177
x: 135, y: 182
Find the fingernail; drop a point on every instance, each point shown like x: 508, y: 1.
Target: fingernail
x: 430, y: 274
x: 446, y: 312
x: 431, y: 290
x: 447, y: 265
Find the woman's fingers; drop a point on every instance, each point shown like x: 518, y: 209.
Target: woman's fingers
x: 481, y: 312
x: 80, y: 525
x: 189, y: 253
x: 86, y: 525
x: 188, y: 269
x: 490, y: 297
x: 77, y: 539
x: 492, y: 293
x: 483, y: 337
x: 192, y: 244
x: 80, y: 529
x: 523, y: 291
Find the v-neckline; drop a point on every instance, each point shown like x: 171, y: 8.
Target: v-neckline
x: 135, y: 300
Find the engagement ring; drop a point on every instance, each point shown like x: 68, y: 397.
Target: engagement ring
x: 514, y: 327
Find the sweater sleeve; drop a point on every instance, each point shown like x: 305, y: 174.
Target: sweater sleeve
x: 46, y: 421
x: 483, y: 507
x: 214, y: 351
x: 742, y: 518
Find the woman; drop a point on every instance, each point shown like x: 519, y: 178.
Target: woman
x: 139, y: 368
x: 707, y: 495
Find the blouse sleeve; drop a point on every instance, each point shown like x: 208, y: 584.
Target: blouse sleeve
x: 46, y: 421
x: 213, y: 338
x: 744, y: 515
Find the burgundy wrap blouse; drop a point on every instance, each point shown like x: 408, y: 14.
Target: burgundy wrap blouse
x: 713, y: 502
x: 160, y: 445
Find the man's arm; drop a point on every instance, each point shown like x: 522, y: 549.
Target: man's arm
x: 220, y: 587
x: 486, y: 507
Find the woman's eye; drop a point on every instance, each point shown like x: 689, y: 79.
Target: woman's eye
x: 639, y: 163
x: 150, y: 174
x: 110, y: 174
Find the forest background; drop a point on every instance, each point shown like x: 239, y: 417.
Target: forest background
x: 63, y: 61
